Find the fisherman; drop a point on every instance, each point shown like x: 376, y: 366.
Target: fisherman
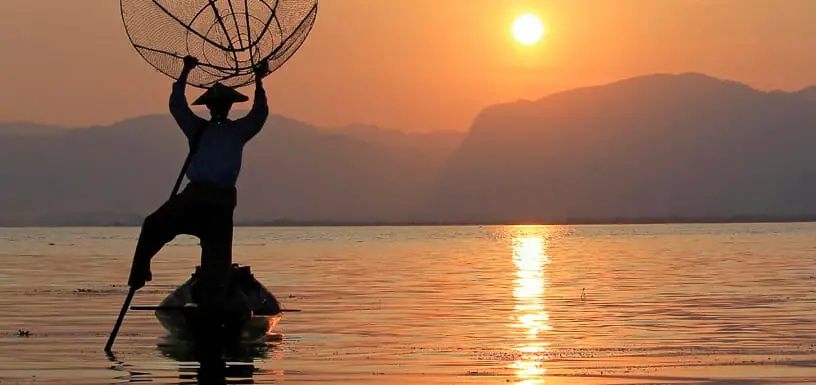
x: 205, y: 207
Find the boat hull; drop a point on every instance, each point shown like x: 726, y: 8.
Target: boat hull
x: 252, y: 311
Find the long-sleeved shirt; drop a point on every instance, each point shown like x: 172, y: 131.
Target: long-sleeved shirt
x: 220, y: 149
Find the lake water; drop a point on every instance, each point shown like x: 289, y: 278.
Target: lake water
x: 691, y: 304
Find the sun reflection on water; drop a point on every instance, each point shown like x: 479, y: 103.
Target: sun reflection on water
x: 531, y: 317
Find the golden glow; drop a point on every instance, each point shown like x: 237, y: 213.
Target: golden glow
x: 529, y: 244
x: 528, y: 29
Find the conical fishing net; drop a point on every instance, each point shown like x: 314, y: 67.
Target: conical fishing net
x: 228, y: 37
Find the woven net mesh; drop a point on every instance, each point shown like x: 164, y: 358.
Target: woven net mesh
x: 228, y: 37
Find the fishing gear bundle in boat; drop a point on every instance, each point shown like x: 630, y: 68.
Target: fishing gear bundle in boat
x: 228, y: 37
x: 253, y: 310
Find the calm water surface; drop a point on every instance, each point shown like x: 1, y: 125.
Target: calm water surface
x: 685, y: 304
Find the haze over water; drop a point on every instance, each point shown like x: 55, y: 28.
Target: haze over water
x: 437, y: 305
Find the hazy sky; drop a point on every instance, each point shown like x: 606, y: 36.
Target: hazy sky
x: 414, y: 65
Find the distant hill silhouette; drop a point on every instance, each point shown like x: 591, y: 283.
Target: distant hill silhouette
x: 657, y: 146
x: 437, y: 140
x: 118, y: 174
x: 23, y: 128
x: 684, y: 145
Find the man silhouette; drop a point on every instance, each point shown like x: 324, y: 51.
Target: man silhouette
x: 205, y: 207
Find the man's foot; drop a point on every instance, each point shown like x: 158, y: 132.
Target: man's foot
x: 139, y: 275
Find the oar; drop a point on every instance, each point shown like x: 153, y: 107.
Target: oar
x: 132, y: 291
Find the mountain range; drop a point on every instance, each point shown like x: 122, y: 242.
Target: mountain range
x: 655, y: 146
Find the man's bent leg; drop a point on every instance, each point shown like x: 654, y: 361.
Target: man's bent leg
x: 158, y: 229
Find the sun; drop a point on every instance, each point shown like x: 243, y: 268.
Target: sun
x: 528, y: 29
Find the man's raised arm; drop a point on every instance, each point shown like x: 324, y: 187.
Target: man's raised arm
x: 184, y: 116
x: 254, y: 121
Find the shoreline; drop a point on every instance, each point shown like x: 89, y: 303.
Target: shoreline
x: 746, y: 219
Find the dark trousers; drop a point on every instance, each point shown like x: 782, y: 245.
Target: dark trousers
x: 201, y: 210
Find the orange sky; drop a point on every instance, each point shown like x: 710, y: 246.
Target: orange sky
x: 415, y: 65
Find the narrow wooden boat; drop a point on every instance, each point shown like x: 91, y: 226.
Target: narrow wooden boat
x: 253, y: 310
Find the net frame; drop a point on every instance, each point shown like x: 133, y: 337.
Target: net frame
x: 243, y: 49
